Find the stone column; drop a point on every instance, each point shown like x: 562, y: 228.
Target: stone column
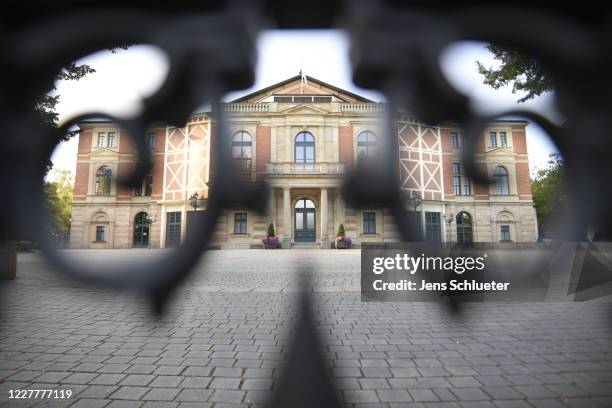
x: 324, y: 208
x: 286, y: 242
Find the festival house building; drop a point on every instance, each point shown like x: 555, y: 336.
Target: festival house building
x: 301, y: 135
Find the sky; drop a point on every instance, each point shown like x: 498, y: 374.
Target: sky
x: 124, y: 78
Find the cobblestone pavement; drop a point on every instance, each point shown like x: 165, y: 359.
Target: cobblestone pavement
x: 223, y: 340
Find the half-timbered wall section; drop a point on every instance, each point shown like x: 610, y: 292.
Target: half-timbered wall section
x: 420, y: 159
x: 187, y: 159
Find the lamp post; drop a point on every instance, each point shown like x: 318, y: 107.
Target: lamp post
x: 196, y: 201
x: 415, y: 200
x: 149, y: 221
x: 449, y: 220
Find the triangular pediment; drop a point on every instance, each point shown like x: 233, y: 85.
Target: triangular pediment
x: 298, y: 85
x: 304, y: 109
x: 500, y: 151
x: 104, y: 151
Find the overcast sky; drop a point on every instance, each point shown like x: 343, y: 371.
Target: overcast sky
x: 124, y: 78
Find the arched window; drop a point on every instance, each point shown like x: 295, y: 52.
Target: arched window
x: 366, y: 145
x: 500, y: 181
x: 304, y: 148
x: 464, y: 228
x: 242, y: 149
x: 103, y: 181
x: 141, y: 230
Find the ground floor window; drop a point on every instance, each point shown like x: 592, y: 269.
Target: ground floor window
x: 99, y: 233
x: 173, y: 229
x: 505, y: 233
x: 464, y: 228
x: 369, y: 222
x: 240, y: 223
x: 433, y: 230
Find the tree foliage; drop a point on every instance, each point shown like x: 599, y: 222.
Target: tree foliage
x: 58, y: 202
x: 549, y: 195
x: 525, y: 73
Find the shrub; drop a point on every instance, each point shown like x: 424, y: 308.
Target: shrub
x: 341, y: 232
x: 270, y: 232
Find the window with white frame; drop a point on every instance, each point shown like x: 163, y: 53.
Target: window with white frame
x: 503, y: 139
x: 111, y: 139
x: 101, y: 138
x: 492, y: 139
x: 501, y: 183
x: 461, y: 183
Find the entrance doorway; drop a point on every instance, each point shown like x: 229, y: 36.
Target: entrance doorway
x: 141, y: 230
x: 305, y: 230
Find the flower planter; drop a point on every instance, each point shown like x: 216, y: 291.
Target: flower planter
x: 343, y: 243
x: 271, y: 243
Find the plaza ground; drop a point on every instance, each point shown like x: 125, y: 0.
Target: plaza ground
x: 224, y: 338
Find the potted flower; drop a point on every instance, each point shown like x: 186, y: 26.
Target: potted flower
x: 342, y: 241
x: 271, y: 241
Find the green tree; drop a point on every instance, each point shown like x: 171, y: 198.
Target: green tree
x: 45, y: 105
x: 341, y: 231
x: 549, y: 195
x: 58, y: 202
x: 525, y: 73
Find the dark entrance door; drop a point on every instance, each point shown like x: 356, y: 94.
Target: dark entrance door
x: 141, y: 231
x: 305, y: 230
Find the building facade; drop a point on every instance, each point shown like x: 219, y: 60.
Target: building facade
x: 302, y: 137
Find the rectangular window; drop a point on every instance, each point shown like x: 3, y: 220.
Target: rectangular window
x: 369, y: 222
x: 148, y: 185
x: 111, y: 139
x: 99, y: 233
x: 503, y: 140
x: 461, y: 183
x: 457, y: 185
x: 492, y: 139
x: 240, y: 223
x: 100, y: 139
x: 433, y: 229
x: 151, y: 141
x: 173, y: 229
x: 505, y: 233
x: 467, y: 186
x: 454, y: 140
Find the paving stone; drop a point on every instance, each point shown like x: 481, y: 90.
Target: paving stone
x: 161, y: 394
x: 361, y: 396
x: 130, y: 393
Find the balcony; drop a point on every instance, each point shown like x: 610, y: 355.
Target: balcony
x: 246, y: 107
x: 305, y: 168
x: 273, y: 107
